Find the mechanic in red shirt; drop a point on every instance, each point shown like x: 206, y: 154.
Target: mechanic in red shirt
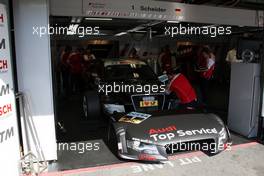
x: 180, y: 85
x: 166, y: 62
x: 76, y: 69
x: 206, y: 68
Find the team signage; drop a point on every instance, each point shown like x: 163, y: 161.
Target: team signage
x: 167, y: 11
x: 9, y: 145
x: 134, y: 9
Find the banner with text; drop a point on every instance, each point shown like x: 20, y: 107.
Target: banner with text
x: 9, y: 143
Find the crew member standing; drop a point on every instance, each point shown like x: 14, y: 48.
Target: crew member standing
x: 76, y: 70
x: 166, y: 60
x: 206, y: 68
x: 65, y: 68
x: 180, y: 85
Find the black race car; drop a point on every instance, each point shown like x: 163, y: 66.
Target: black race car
x: 143, y: 126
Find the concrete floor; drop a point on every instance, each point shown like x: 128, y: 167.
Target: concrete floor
x: 243, y: 160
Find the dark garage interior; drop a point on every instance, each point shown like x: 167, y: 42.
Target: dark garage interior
x: 147, y: 36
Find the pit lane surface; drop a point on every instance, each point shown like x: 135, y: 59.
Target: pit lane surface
x: 243, y: 160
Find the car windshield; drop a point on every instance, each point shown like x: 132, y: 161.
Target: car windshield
x: 130, y: 71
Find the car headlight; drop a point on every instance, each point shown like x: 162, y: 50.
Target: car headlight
x: 143, y: 147
x: 222, y: 136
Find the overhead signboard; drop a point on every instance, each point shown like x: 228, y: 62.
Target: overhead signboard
x: 158, y: 10
x: 154, y: 10
x: 9, y: 143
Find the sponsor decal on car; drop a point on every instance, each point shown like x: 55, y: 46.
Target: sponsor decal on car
x: 162, y: 130
x: 143, y: 140
x: 167, y: 136
x: 162, y: 133
x: 134, y: 117
x: 148, y: 103
x: 196, y: 132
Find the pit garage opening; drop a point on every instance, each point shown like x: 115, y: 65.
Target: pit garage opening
x: 67, y: 51
x: 147, y: 41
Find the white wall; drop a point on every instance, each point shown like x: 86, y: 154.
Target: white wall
x: 34, y: 69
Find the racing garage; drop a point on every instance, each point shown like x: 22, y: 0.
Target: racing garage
x: 133, y: 87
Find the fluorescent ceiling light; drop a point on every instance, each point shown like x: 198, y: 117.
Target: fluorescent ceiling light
x: 76, y: 19
x: 173, y: 22
x: 121, y: 33
x: 136, y: 29
x: 73, y: 20
x: 79, y: 20
x: 99, y: 19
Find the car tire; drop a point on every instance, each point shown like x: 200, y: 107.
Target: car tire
x: 91, y: 105
x: 112, y: 141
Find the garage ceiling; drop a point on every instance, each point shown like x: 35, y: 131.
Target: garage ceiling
x: 116, y: 26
